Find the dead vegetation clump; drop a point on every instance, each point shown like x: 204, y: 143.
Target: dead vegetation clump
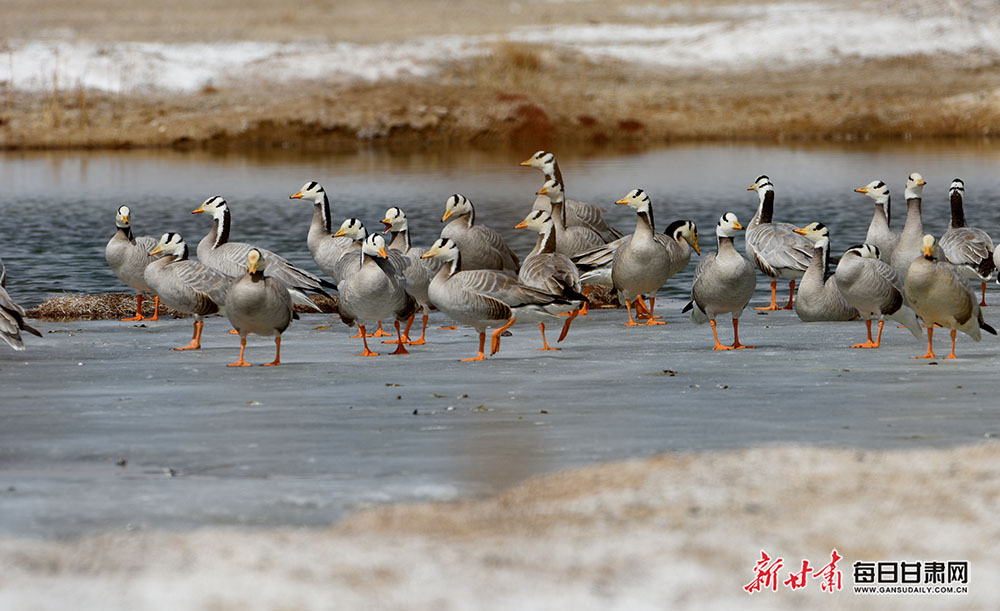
x: 115, y: 306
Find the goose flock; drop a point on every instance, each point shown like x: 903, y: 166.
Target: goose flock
x: 473, y: 277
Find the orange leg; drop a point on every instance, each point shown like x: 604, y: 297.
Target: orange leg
x: 791, y: 295
x: 631, y: 321
x: 566, y: 324
x: 652, y: 319
x: 364, y: 340
x: 448, y: 328
x: 277, y: 353
x: 715, y: 332
x: 156, y: 308
x: 379, y: 332
x: 545, y: 344
x: 405, y: 337
x: 482, y: 355
x: 870, y: 343
x: 241, y: 362
x: 982, y: 302
x: 195, y: 339
x: 401, y: 347
x: 952, y: 355
x: 495, y: 338
x: 736, y: 337
x: 930, y: 342
x: 138, y: 310
x: 421, y: 341
x: 586, y: 293
x: 774, y: 297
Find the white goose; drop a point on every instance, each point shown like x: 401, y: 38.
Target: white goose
x: 418, y: 273
x: 259, y: 304
x: 775, y: 248
x: 880, y: 234
x: 940, y: 295
x: 724, y: 282
x: 872, y: 287
x: 970, y: 248
x: 187, y: 286
x: 910, y: 242
x: 482, y: 247
x: 483, y: 298
x: 326, y: 249
x: 819, y: 298
x: 12, y: 316
x: 128, y: 256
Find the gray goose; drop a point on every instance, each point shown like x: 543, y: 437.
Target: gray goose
x: 819, y: 299
x: 482, y: 247
x: 128, y: 256
x: 187, y: 286
x: 872, y: 287
x: 216, y: 251
x: 484, y: 298
x: 577, y: 213
x: 375, y: 291
x: 910, y: 242
x: 775, y: 248
x: 724, y: 282
x: 326, y: 249
x: 419, y: 272
x: 547, y: 269
x: 259, y: 304
x: 641, y: 265
x: 879, y: 232
x: 939, y: 294
x: 571, y: 240
x: 970, y: 248
x: 12, y: 316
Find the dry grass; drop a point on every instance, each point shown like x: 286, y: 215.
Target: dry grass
x: 115, y: 306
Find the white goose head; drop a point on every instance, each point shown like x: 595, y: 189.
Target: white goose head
x: 728, y: 226
x: 877, y: 190
x: 255, y: 262
x: 684, y: 230
x: 123, y: 217
x: 930, y: 248
x: 542, y: 160
x: 394, y: 220
x: 865, y: 251
x: 214, y: 205
x: 457, y: 205
x: 311, y: 191
x: 352, y: 228
x: 170, y: 244
x: 374, y: 246
x: 444, y: 249
x: 815, y: 231
x: 761, y: 185
x: 538, y: 220
x: 553, y: 189
x: 915, y: 186
x: 957, y: 186
x: 637, y: 199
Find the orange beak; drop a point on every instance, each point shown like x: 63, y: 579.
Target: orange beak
x: 382, y: 253
x: 737, y: 225
x: 447, y: 215
x: 922, y: 182
x: 542, y: 191
x: 861, y: 190
x: 298, y: 195
x: 623, y: 200
x: 199, y: 210
x: 695, y: 247
x: 521, y: 225
x: 799, y: 231
x: 526, y: 162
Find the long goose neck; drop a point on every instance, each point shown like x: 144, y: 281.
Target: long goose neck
x: 957, y: 210
x: 559, y: 212
x: 546, y: 241
x: 726, y: 246
x: 126, y: 233
x: 555, y: 174
x: 454, y: 268
x: 765, y: 211
x: 221, y: 228
x: 400, y: 240
x: 184, y: 253
x: 819, y: 259
x: 914, y: 224
x: 321, y: 216
x: 644, y: 221
x: 880, y: 218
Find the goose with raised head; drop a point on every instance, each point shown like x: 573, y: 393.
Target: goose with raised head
x: 570, y: 239
x: 482, y: 247
x: 577, y: 213
x: 724, y: 282
x: 418, y: 273
x: 326, y: 248
x: 128, y: 256
x: 939, y: 294
x: 259, y: 304
x: 819, y: 299
x: 190, y: 287
x: 910, y: 242
x: 880, y: 233
x: 550, y: 270
x: 216, y: 251
x: 484, y: 298
x: 375, y: 291
x: 775, y: 248
x: 970, y: 248
x: 12, y: 316
x: 872, y: 287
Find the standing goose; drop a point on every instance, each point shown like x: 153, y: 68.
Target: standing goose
x: 641, y: 265
x: 216, y: 251
x: 375, y: 291
x: 354, y: 231
x: 819, y: 298
x: 872, y: 287
x: 12, y: 316
x: 482, y: 248
x: 939, y: 295
x: 775, y: 248
x: 187, y: 286
x: 970, y: 248
x: 571, y: 240
x: 577, y: 213
x: 910, y: 242
x: 128, y: 256
x: 879, y: 232
x: 484, y: 298
x: 326, y: 249
x: 418, y: 273
x: 724, y: 282
x: 547, y: 269
x: 259, y: 304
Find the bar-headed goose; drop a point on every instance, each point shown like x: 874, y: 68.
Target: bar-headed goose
x: 418, y: 273
x: 326, y: 248
x: 187, y: 286
x: 548, y: 269
x: 482, y: 247
x: 12, y: 316
x: 880, y: 233
x: 940, y: 295
x: 259, y: 304
x: 375, y: 291
x: 819, y: 298
x: 724, y: 282
x: 970, y: 248
x: 641, y: 265
x: 910, y: 242
x: 128, y: 256
x: 570, y: 239
x: 775, y: 248
x: 872, y: 287
x: 483, y: 298
x: 577, y: 213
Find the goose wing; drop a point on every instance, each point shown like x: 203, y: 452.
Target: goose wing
x: 775, y: 247
x: 971, y: 247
